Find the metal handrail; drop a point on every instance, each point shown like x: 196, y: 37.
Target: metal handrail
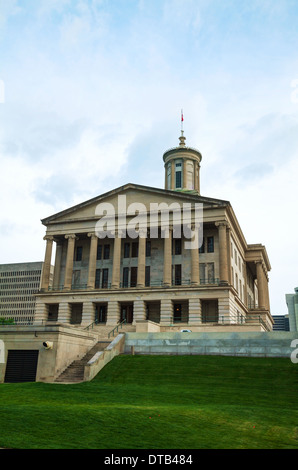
x: 116, y: 328
x: 95, y: 322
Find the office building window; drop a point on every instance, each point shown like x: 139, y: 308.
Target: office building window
x: 134, y: 249
x: 178, y: 246
x: 99, y: 252
x: 177, y: 275
x: 178, y: 175
x: 79, y: 253
x: 148, y: 248
x: 210, y: 244
x: 202, y: 247
x: 147, y: 276
x: 126, y: 250
x: 105, y: 277
x: 133, y: 276
x: 106, y: 252
x: 125, y: 277
x: 97, y: 278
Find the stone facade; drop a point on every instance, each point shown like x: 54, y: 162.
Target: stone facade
x: 154, y: 277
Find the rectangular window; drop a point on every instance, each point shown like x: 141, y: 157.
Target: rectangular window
x: 105, y: 277
x: 133, y: 277
x: 79, y: 252
x: 202, y: 247
x: 210, y: 273
x: 134, y: 249
x: 147, y: 276
x: 97, y: 278
x: 125, y: 277
x: 99, y: 252
x: 76, y: 276
x: 177, y: 274
x: 126, y: 250
x: 148, y: 248
x: 178, y: 179
x: 210, y: 244
x: 178, y: 246
x: 106, y: 252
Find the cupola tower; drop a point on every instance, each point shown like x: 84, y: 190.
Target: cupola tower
x: 182, y: 167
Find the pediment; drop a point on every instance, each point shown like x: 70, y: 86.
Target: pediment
x: 126, y: 196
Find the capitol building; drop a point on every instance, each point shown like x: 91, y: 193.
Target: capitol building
x: 155, y: 259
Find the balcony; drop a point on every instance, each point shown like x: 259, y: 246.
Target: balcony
x: 108, y: 285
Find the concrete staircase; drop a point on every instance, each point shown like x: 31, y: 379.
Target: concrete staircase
x: 102, y: 331
x: 75, y: 371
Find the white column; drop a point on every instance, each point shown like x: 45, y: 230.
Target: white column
x: 167, y: 262
x: 142, y: 258
x: 116, y: 261
x: 57, y: 267
x: 47, y: 263
x: 92, y: 260
x: 69, y: 261
x: 195, y: 263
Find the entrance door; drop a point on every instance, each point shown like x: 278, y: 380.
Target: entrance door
x: 21, y: 366
x: 101, y: 313
x: 127, y: 313
x: 177, y: 312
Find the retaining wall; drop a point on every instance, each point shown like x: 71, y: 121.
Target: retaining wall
x: 254, y: 344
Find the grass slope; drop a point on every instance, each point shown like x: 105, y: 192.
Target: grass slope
x: 159, y: 402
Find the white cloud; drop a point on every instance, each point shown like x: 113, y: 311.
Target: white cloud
x: 94, y: 91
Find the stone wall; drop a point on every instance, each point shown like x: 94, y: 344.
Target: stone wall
x: 254, y: 344
x: 69, y: 344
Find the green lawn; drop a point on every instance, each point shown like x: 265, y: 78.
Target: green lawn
x: 159, y: 402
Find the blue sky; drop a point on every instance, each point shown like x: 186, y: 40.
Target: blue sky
x: 93, y: 94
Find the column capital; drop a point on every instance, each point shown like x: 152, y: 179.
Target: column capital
x: 222, y: 223
x: 91, y: 235
x: 260, y: 262
x: 71, y: 236
x: 49, y: 238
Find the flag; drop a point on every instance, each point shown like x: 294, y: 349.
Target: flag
x: 182, y: 116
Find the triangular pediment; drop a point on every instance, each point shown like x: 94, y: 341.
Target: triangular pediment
x: 127, y: 195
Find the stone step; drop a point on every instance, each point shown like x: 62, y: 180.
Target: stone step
x: 75, y: 371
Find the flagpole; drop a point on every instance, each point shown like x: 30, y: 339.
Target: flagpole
x: 181, y: 121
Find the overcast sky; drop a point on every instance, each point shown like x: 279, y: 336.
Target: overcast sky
x: 90, y: 98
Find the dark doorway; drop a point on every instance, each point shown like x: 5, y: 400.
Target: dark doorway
x: 76, y: 314
x: 209, y: 311
x: 177, y: 312
x: 178, y: 277
x: 21, y: 366
x: 101, y: 313
x: 53, y: 312
x: 126, y: 313
x: 133, y: 276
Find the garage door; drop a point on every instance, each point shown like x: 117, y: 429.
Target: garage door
x: 21, y: 365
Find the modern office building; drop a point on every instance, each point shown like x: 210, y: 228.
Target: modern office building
x: 281, y: 323
x: 19, y: 282
x: 130, y: 255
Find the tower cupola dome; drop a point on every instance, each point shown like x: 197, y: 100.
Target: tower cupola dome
x: 182, y: 167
